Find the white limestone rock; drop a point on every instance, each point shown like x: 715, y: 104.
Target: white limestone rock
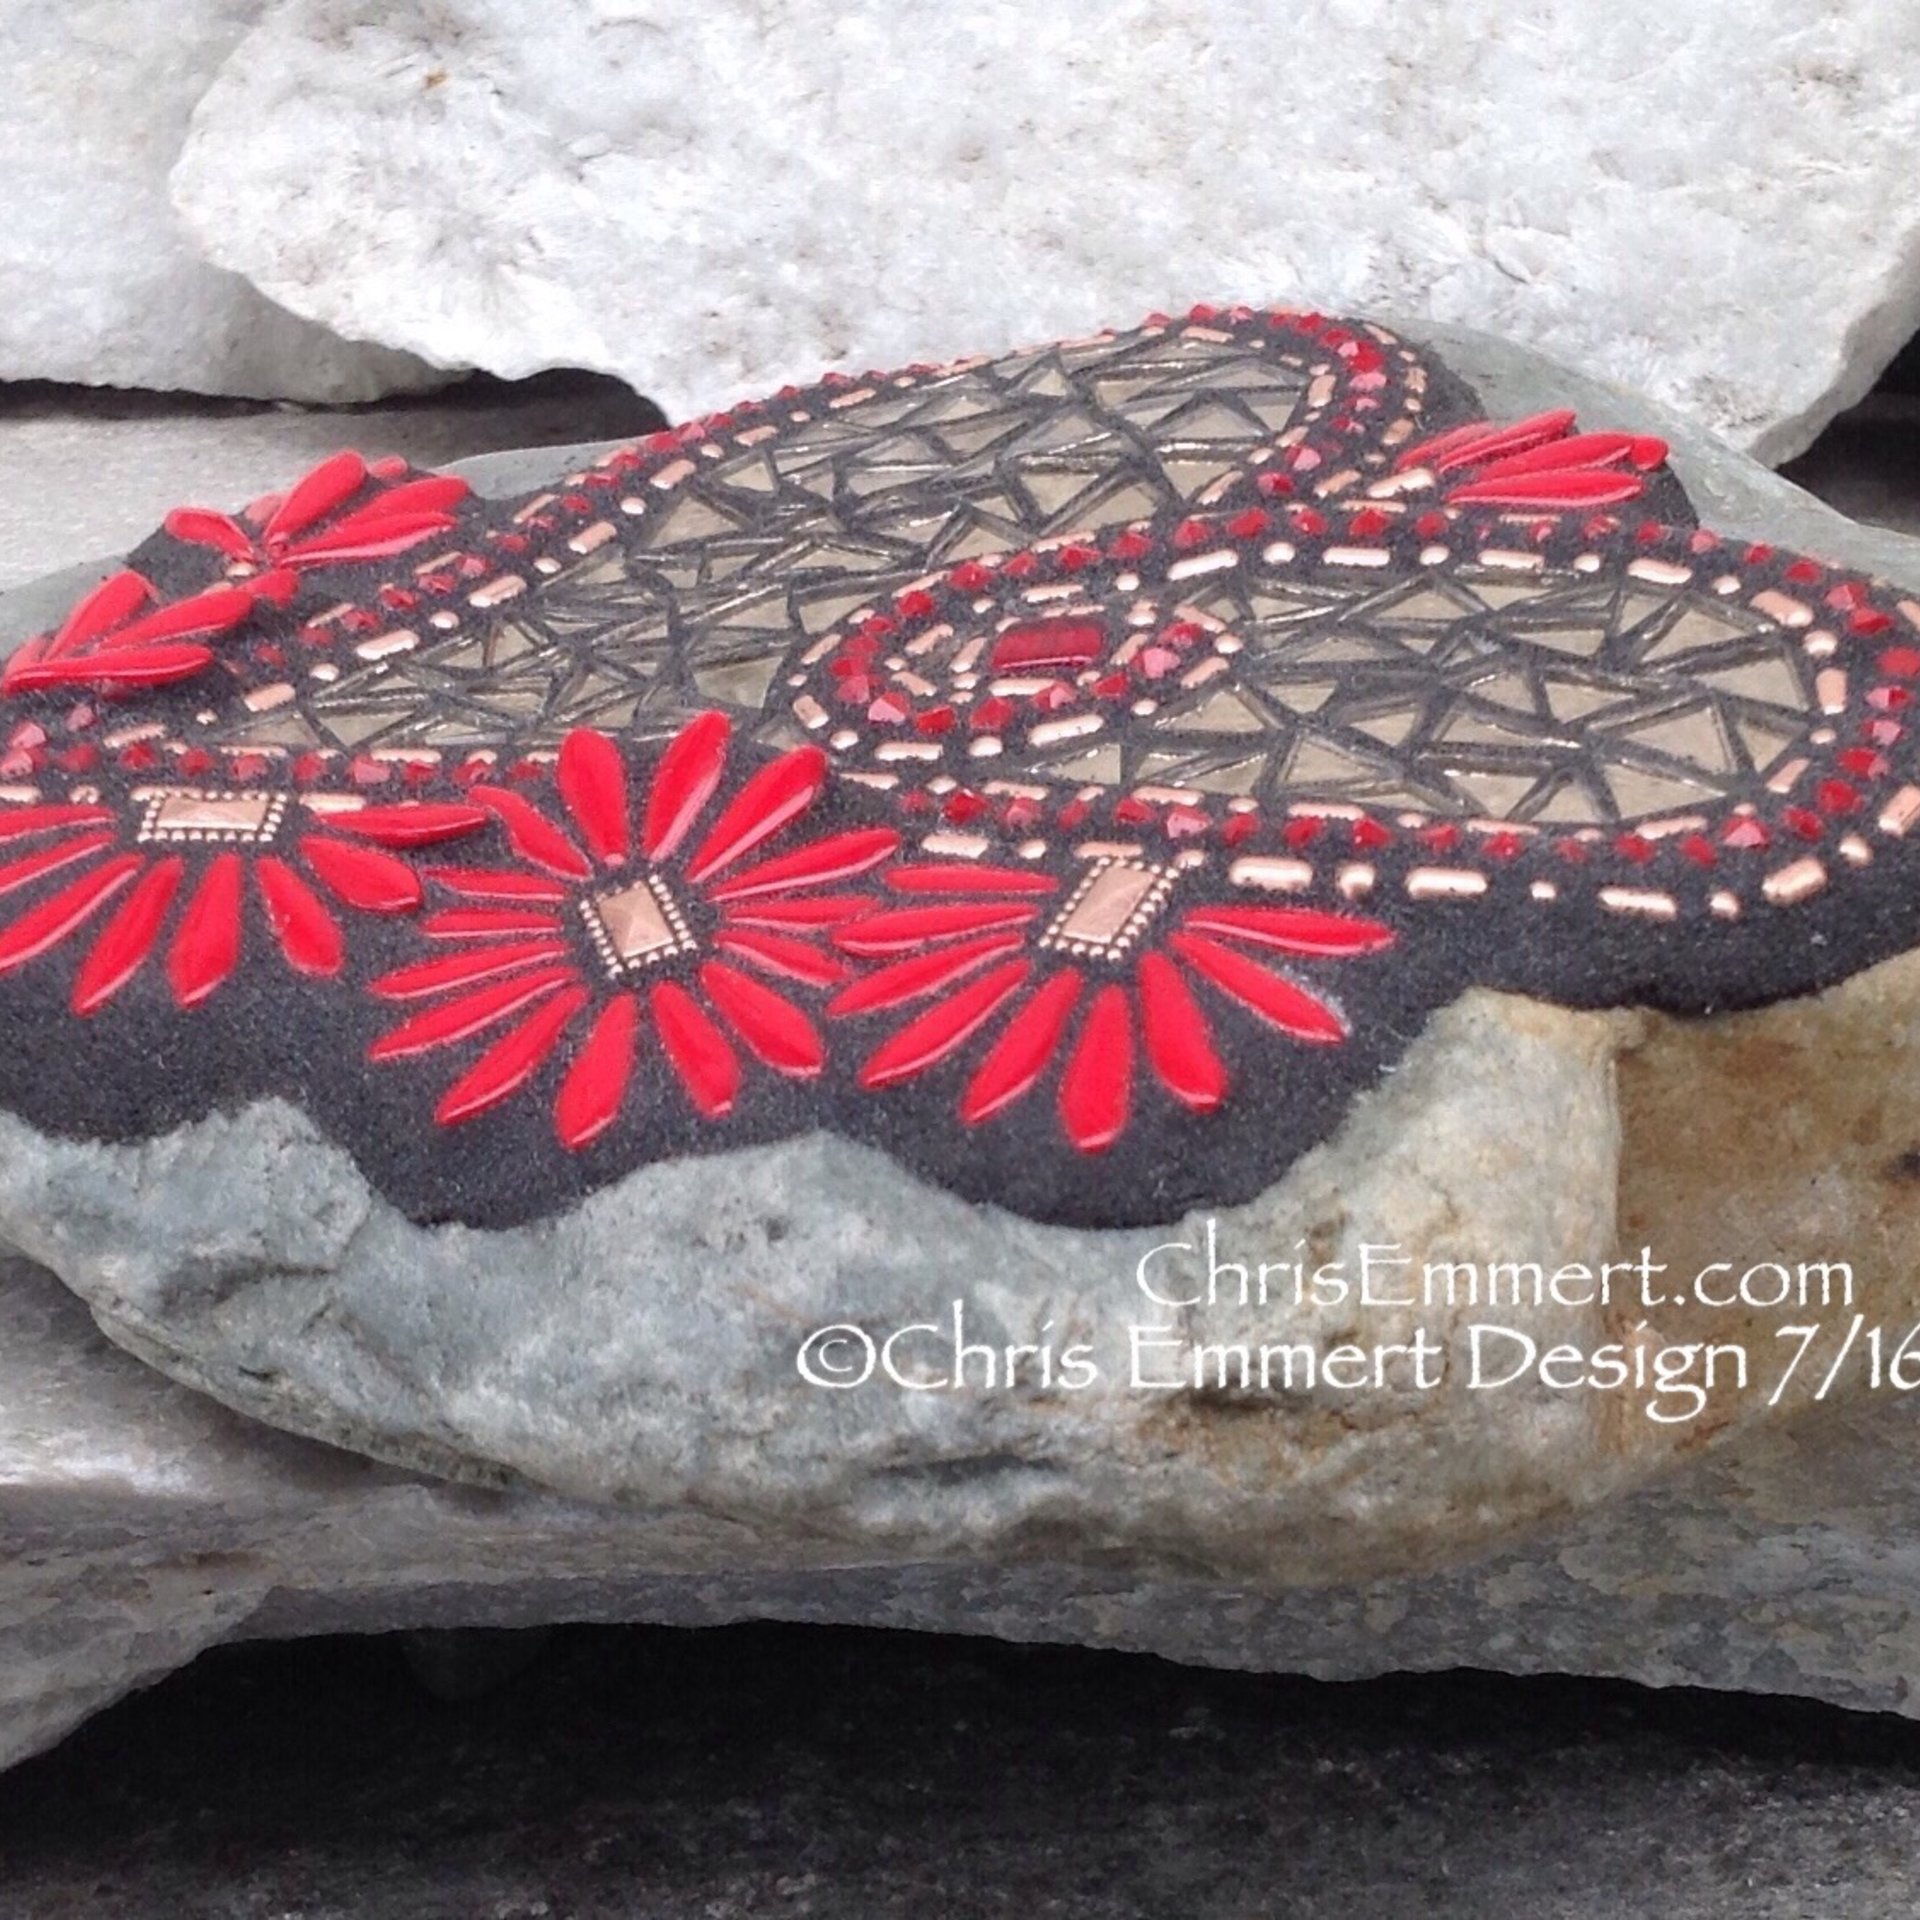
x: 711, y: 200
x: 98, y: 281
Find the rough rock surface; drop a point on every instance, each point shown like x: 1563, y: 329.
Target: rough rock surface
x: 165, y: 451
x: 248, y: 1257
x: 139, y: 1524
x: 712, y: 201
x: 98, y: 281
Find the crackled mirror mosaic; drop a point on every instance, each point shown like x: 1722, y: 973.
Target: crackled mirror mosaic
x: 1077, y: 773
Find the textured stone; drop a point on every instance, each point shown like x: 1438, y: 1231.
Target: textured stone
x: 712, y: 202
x: 162, y: 452
x: 98, y: 281
x: 639, y: 1353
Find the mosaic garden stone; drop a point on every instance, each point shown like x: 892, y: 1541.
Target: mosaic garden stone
x: 482, y: 978
x: 1076, y: 774
x: 254, y: 1205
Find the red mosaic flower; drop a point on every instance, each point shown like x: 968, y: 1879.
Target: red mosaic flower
x: 980, y: 942
x: 1539, y: 462
x: 621, y: 919
x: 198, y: 846
x: 317, y: 522
x: 118, y: 636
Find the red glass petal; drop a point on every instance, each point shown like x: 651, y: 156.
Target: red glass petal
x: 464, y: 969
x: 510, y: 1062
x: 63, y: 853
x: 308, y: 934
x: 1303, y: 930
x: 684, y: 782
x: 910, y: 927
x: 455, y: 1020
x: 1495, y: 442
x: 532, y: 835
x: 1577, y: 450
x: 925, y: 973
x: 365, y: 537
x: 496, y: 883
x: 772, y: 799
x: 839, y: 856
x: 127, y: 938
x: 330, y: 485
x: 23, y: 820
x: 211, y: 612
x: 1583, y: 487
x: 782, y: 956
x: 425, y: 493
x: 1024, y: 1050
x: 111, y: 604
x: 201, y: 527
x: 277, y: 586
x: 593, y: 783
x: 959, y: 879
x: 817, y: 910
x: 143, y: 667
x: 1179, y: 1040
x: 206, y: 944
x: 928, y: 1039
x: 409, y: 824
x: 773, y: 1028
x: 1096, y: 1091
x: 1260, y: 990
x: 590, y: 1096
x: 363, y: 877
x: 486, y: 923
x: 45, y: 926
x: 696, y: 1049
